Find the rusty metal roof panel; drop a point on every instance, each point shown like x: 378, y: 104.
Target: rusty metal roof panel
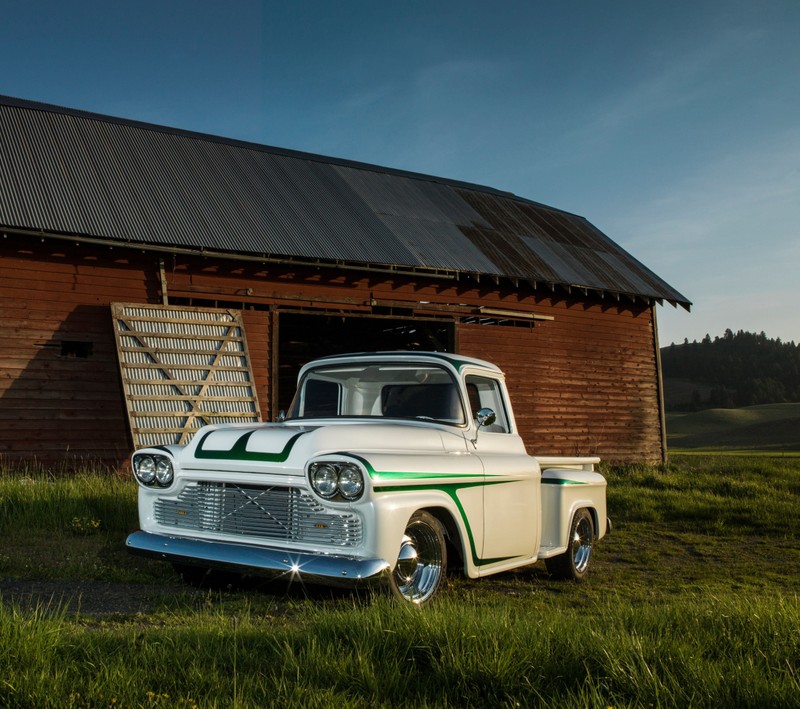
x: 423, y: 217
x: 336, y: 223
x: 440, y: 245
x: 72, y: 172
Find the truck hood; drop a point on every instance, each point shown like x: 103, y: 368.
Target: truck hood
x: 290, y: 445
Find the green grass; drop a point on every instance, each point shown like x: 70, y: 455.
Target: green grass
x: 466, y: 651
x: 67, y: 527
x: 771, y: 427
x: 692, y: 601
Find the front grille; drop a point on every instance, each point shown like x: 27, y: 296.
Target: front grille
x: 259, y: 511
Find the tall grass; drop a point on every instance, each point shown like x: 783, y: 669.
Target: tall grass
x: 693, y: 651
x: 36, y: 500
x: 58, y: 526
x: 700, y: 493
x: 694, y: 600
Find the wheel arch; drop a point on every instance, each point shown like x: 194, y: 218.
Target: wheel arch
x: 453, y: 534
x: 590, y: 507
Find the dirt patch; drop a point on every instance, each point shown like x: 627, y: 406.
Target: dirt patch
x: 86, y: 597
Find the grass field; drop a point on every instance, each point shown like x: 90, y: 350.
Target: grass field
x: 693, y: 601
x: 774, y: 428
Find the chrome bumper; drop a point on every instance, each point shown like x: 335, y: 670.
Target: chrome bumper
x: 319, y: 568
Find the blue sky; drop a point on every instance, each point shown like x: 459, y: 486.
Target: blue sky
x: 674, y: 127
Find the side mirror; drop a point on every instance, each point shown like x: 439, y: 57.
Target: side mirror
x: 281, y: 417
x: 485, y: 417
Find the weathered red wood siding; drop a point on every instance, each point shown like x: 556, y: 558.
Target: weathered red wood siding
x: 258, y: 331
x: 585, y: 382
x: 56, y: 406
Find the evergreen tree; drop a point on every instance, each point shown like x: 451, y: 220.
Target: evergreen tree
x: 741, y: 369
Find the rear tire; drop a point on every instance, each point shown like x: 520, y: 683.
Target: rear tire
x: 573, y: 564
x: 422, y: 562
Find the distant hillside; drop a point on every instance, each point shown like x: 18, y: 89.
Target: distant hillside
x: 735, y: 370
x: 770, y: 427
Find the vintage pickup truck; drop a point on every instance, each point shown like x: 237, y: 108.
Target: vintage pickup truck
x: 386, y: 467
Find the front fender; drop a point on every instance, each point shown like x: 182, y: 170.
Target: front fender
x: 395, y: 505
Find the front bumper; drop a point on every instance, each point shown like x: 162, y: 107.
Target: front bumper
x: 326, y: 569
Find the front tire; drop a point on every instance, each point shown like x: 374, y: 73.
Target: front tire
x: 573, y: 564
x: 422, y: 562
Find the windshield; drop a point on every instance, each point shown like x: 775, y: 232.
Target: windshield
x: 390, y: 390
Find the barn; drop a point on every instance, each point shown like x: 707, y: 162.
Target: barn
x: 154, y: 280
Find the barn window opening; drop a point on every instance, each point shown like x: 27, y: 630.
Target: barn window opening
x: 304, y: 337
x: 504, y: 318
x: 71, y: 348
x: 502, y: 322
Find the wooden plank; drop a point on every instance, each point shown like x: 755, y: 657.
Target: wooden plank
x: 181, y: 367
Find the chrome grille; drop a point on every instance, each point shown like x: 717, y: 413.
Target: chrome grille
x: 264, y: 512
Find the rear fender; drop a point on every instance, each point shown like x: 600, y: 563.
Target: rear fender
x: 564, y: 492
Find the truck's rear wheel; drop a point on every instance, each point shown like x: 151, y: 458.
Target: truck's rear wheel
x: 573, y: 564
x: 422, y: 562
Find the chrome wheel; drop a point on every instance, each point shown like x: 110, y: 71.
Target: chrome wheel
x: 422, y: 561
x: 573, y: 564
x: 582, y: 540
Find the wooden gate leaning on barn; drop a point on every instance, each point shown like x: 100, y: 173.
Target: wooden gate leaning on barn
x: 182, y: 368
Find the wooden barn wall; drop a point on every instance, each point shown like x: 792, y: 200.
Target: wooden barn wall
x: 258, y: 330
x: 584, y: 382
x: 59, y: 401
x: 60, y: 391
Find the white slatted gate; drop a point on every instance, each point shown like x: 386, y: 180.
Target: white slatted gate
x: 182, y: 368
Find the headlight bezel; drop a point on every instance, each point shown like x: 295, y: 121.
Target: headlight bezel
x: 354, y: 475
x: 153, y: 469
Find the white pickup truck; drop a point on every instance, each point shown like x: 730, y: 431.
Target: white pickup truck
x: 387, y: 467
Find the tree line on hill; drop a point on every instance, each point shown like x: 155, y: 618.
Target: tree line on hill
x: 742, y: 369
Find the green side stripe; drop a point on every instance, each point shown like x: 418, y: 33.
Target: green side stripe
x: 451, y: 489
x: 397, y: 475
x: 386, y: 475
x: 239, y: 450
x: 551, y: 481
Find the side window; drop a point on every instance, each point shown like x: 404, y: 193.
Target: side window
x: 321, y: 399
x: 484, y: 393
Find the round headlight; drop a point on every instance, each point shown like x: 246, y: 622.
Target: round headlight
x: 325, y: 480
x: 351, y: 482
x: 164, y: 473
x: 145, y: 468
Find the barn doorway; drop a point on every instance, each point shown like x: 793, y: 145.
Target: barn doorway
x: 303, y: 337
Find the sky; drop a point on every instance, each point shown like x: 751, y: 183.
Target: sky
x: 673, y: 127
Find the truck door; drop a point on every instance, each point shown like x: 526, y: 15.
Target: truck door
x: 511, y: 501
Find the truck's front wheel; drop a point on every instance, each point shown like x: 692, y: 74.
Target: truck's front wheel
x: 422, y: 561
x: 573, y: 564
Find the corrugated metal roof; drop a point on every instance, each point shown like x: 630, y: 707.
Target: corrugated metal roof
x: 78, y: 173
